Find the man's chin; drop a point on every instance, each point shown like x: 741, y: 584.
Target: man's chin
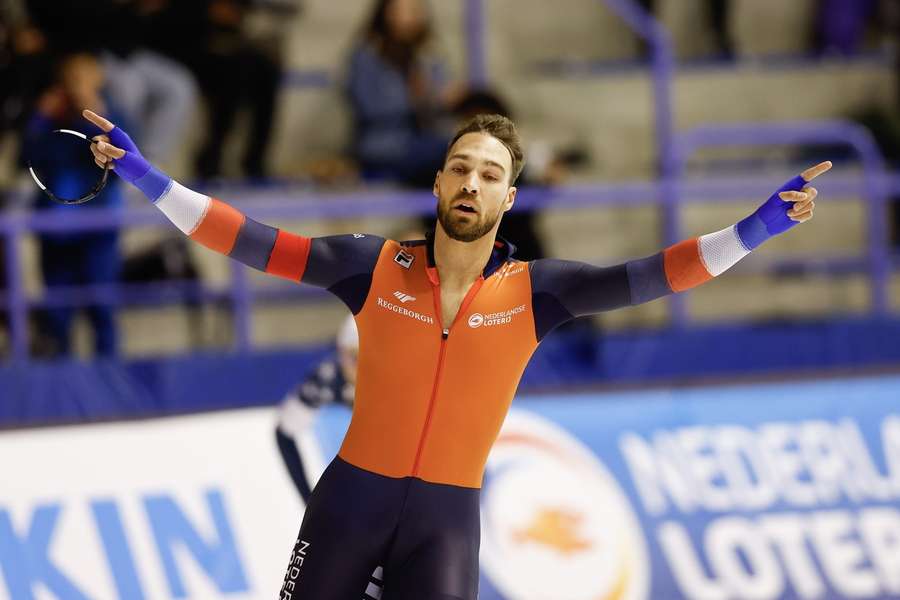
x: 464, y: 229
x: 465, y: 237
x: 467, y: 234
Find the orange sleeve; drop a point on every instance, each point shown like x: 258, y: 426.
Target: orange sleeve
x: 218, y: 229
x: 683, y: 266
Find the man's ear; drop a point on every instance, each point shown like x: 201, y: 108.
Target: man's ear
x: 510, y: 198
x: 436, y: 187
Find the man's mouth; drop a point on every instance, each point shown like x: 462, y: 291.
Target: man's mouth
x: 465, y: 207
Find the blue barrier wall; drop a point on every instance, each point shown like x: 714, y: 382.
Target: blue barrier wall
x: 754, y: 491
x: 39, y: 393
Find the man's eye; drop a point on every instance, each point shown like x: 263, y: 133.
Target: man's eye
x: 492, y: 178
x: 458, y: 170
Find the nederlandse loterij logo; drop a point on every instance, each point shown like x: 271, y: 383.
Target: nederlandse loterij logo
x: 404, y: 259
x: 404, y: 297
x: 476, y: 320
x: 554, y: 521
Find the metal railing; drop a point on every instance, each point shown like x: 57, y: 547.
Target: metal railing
x: 670, y: 194
x: 874, y: 184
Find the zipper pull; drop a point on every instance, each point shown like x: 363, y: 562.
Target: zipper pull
x: 445, y: 334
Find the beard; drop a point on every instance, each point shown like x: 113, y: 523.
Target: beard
x: 465, y: 230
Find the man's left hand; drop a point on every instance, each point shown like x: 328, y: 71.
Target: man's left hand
x: 803, y: 200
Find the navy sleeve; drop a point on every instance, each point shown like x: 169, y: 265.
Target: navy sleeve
x: 343, y: 264
x: 564, y: 289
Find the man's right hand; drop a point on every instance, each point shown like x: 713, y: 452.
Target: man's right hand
x: 116, y: 148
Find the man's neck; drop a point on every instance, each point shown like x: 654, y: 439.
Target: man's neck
x: 461, y: 263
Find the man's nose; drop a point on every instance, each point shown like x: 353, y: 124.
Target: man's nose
x: 470, y: 185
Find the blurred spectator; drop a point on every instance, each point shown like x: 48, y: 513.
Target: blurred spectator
x: 398, y: 94
x: 71, y: 259
x: 4, y: 317
x: 234, y: 70
x: 19, y: 44
x: 25, y: 64
x: 718, y: 11
x: 333, y: 382
x: 157, y: 94
x: 841, y: 25
x: 883, y: 122
x: 718, y: 18
x: 404, y: 110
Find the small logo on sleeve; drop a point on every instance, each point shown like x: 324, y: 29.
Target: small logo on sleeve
x: 404, y: 298
x: 404, y: 259
x: 513, y: 269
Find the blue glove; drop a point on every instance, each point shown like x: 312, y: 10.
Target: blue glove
x: 771, y: 218
x: 137, y: 170
x: 131, y: 166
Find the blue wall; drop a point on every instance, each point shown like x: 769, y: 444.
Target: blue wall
x: 72, y: 391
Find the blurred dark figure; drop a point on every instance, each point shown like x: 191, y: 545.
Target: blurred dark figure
x: 333, y: 382
x: 404, y: 109
x: 718, y: 11
x: 841, y: 25
x: 25, y: 68
x: 398, y: 95
x: 718, y: 20
x: 4, y: 317
x: 157, y: 94
x: 884, y: 122
x: 234, y: 72
x: 72, y: 259
x: 25, y: 64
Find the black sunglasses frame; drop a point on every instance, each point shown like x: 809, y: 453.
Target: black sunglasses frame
x: 98, y: 187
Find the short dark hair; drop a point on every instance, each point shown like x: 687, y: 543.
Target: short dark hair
x: 499, y: 127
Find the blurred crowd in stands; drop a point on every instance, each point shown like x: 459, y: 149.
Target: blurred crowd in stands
x: 155, y: 66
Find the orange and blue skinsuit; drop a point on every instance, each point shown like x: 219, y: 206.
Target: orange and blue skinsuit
x: 403, y: 491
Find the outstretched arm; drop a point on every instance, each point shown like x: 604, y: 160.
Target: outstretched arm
x: 343, y: 263
x: 566, y: 289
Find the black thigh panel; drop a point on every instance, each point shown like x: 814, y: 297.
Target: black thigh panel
x: 347, y: 527
x: 435, y: 553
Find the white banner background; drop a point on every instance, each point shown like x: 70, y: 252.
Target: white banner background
x: 181, y: 458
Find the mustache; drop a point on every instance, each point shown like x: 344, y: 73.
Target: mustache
x: 462, y: 196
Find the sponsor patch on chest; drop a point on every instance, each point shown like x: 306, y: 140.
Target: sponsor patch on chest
x: 400, y: 310
x: 494, y: 319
